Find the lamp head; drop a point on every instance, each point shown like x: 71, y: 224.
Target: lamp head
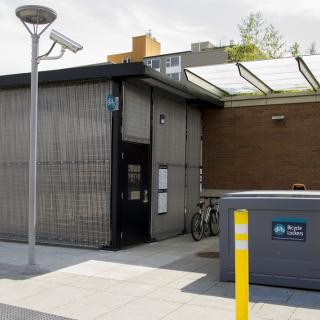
x: 36, y: 15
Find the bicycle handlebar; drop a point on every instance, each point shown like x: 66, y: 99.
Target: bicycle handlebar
x: 207, y: 197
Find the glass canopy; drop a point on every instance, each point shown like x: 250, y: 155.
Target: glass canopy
x: 313, y: 62
x: 225, y: 77
x: 258, y: 77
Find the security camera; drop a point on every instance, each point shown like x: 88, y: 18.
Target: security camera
x: 65, y: 41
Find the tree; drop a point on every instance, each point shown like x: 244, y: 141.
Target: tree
x: 312, y: 49
x: 255, y: 32
x: 250, y: 29
x: 272, y: 43
x: 295, y: 49
x: 244, y: 52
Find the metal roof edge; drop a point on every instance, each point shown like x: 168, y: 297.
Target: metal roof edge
x: 91, y: 72
x: 185, y: 52
x: 194, y: 91
x: 271, y: 99
x: 108, y: 71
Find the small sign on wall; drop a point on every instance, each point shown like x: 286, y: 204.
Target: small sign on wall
x: 112, y: 103
x: 292, y: 229
x: 162, y: 189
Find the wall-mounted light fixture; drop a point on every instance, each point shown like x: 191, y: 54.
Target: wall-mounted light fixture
x: 162, y: 119
x: 278, y: 117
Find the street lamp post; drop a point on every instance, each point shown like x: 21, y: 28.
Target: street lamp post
x: 33, y: 16
x: 33, y: 150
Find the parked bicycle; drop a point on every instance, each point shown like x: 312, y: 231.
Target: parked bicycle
x: 206, y: 221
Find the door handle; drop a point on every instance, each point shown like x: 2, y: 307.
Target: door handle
x: 145, y: 196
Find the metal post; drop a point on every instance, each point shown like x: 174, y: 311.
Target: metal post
x: 116, y: 150
x: 241, y: 264
x: 33, y: 150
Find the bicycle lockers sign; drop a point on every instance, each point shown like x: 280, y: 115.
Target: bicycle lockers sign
x: 293, y: 229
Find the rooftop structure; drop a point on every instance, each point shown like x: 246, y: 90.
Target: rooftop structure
x: 145, y: 48
x: 142, y: 46
x: 173, y: 64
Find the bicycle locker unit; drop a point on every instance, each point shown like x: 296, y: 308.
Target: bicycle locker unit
x: 98, y: 170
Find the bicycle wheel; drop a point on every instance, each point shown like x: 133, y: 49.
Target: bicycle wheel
x: 214, y: 222
x: 196, y: 227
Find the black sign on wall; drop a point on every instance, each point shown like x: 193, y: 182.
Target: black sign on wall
x: 292, y: 229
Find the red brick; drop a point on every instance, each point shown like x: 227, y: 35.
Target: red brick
x: 243, y: 148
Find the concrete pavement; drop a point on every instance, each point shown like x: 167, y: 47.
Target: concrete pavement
x: 172, y: 279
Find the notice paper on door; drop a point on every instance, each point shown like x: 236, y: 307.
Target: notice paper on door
x: 162, y: 202
x: 162, y: 189
x: 163, y: 178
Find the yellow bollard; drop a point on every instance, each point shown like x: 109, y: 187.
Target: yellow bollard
x: 241, y: 263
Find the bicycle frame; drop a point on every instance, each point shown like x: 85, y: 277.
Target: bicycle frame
x: 206, y: 221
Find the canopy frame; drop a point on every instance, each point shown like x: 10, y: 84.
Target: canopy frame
x: 306, y: 72
x: 250, y: 77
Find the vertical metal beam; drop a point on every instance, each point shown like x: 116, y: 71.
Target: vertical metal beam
x: 150, y: 159
x: 306, y: 72
x: 186, y: 171
x: 115, y: 159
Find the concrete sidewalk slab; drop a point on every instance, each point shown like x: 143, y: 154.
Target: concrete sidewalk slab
x: 172, y: 279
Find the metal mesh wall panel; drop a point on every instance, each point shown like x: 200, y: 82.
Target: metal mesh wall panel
x: 193, y: 159
x: 169, y: 142
x: 14, y: 144
x: 74, y: 152
x: 194, y: 133
x: 136, y: 113
x: 8, y: 312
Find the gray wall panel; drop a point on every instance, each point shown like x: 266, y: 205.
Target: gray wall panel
x: 193, y: 158
x: 194, y: 132
x: 74, y: 152
x: 169, y: 149
x: 169, y: 139
x: 192, y: 194
x: 14, y: 128
x: 136, y: 113
x: 171, y: 223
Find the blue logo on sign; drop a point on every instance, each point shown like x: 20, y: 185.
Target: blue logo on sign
x: 279, y: 229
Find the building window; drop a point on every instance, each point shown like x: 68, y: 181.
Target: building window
x: 134, y: 182
x: 174, y: 61
x: 175, y: 76
x: 173, y: 67
x: 126, y: 60
x: 154, y: 64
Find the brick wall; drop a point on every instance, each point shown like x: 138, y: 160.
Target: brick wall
x: 243, y: 148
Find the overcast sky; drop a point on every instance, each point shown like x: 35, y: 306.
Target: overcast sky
x: 106, y: 26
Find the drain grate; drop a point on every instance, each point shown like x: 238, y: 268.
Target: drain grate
x: 8, y: 312
x: 211, y: 255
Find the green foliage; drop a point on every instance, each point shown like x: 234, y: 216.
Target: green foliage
x: 295, y: 49
x: 259, y: 40
x: 250, y: 29
x: 272, y: 44
x: 244, y: 52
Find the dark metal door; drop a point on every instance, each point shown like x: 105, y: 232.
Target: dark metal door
x: 134, y: 194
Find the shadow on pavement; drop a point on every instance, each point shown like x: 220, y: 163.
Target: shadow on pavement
x: 193, y: 266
